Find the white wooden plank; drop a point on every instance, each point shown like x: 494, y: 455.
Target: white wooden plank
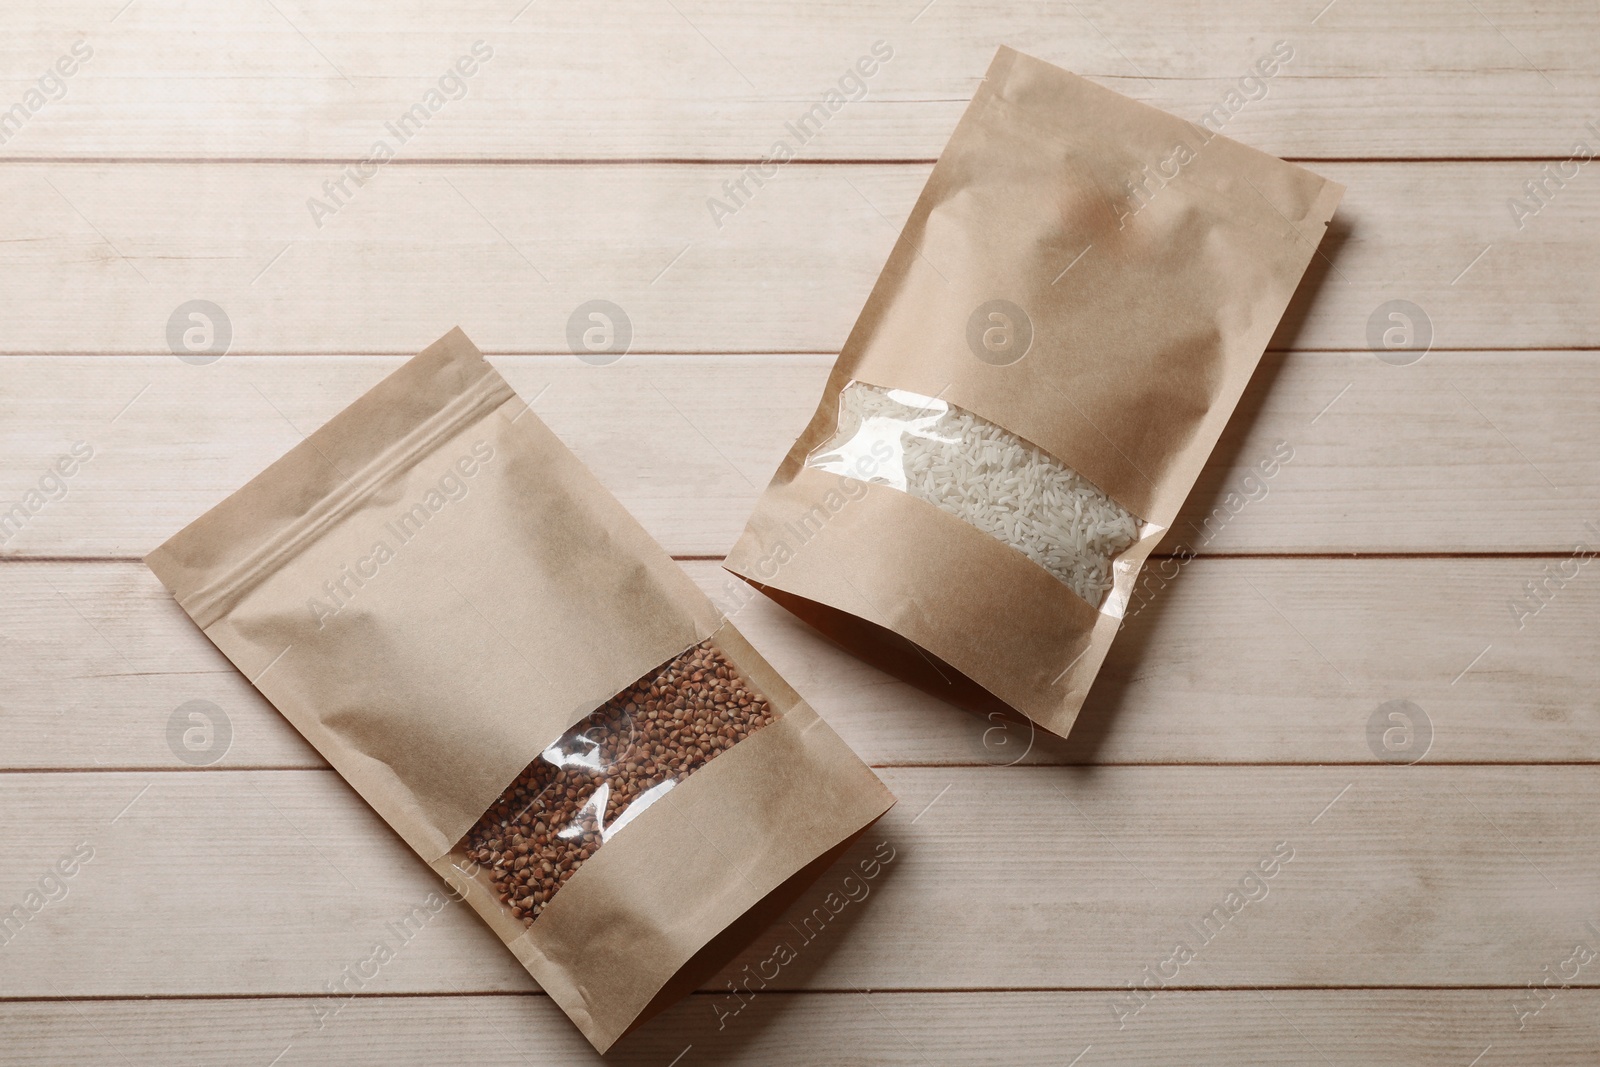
x: 1292, y: 1028
x: 101, y: 256
x: 234, y: 882
x: 1461, y: 452
x: 257, y: 882
x: 703, y: 78
x: 1237, y: 661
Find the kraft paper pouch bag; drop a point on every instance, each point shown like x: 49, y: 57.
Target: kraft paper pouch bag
x: 501, y: 661
x: 1077, y: 301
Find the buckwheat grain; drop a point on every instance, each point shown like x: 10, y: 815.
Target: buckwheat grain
x: 567, y: 803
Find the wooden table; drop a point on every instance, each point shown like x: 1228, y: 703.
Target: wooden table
x: 1426, y: 544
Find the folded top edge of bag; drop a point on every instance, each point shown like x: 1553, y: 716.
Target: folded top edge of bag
x: 217, y: 558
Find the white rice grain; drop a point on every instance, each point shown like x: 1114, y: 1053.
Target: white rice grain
x: 984, y: 475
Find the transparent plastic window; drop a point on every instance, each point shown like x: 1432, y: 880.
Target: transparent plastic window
x: 601, y: 774
x: 984, y: 475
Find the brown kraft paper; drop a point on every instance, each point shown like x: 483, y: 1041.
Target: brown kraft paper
x: 1151, y: 260
x: 432, y: 588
